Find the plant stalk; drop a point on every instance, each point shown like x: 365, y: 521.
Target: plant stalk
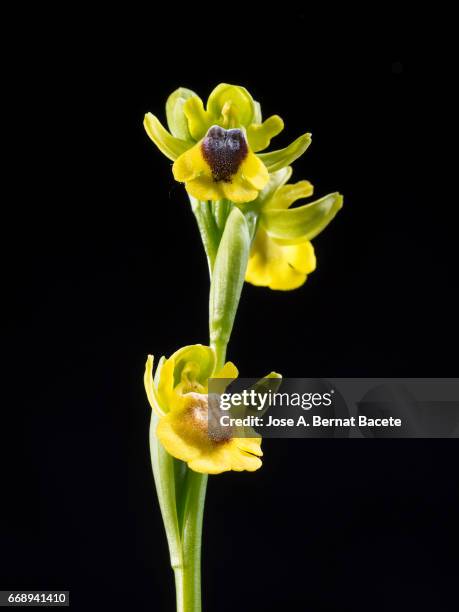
x: 182, y: 492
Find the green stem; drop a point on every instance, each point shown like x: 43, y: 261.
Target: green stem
x: 220, y: 352
x: 226, y: 238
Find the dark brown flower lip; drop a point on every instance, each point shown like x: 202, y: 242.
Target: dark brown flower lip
x: 203, y: 416
x: 224, y: 151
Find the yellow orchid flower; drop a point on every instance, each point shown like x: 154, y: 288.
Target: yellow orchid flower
x: 216, y: 149
x: 278, y: 266
x: 178, y: 396
x: 220, y: 166
x: 282, y: 255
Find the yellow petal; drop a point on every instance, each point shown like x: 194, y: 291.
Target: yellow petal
x: 229, y: 370
x: 192, y: 169
x: 238, y: 190
x: 250, y: 445
x: 205, y: 188
x: 199, y: 120
x: 287, y: 194
x: 244, y: 459
x: 173, y: 440
x: 246, y: 462
x: 190, y: 165
x: 184, y: 435
x: 301, y: 257
x: 259, y: 135
x: 225, y: 457
x: 254, y: 171
x: 278, y: 266
x: 165, y: 388
x: 212, y: 463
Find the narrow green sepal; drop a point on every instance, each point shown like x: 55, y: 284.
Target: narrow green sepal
x: 295, y: 225
x: 176, y: 118
x: 275, y: 160
x: 170, y: 146
x: 268, y: 384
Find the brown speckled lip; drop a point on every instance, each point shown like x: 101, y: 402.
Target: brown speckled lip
x: 224, y: 151
x: 199, y: 415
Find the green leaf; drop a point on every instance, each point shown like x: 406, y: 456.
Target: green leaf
x: 228, y: 278
x: 176, y: 119
x: 170, y: 146
x: 164, y: 475
x: 275, y: 160
x: 303, y: 223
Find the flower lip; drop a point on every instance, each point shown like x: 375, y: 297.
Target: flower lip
x: 202, y: 411
x: 224, y: 151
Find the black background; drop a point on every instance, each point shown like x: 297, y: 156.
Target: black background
x: 103, y: 264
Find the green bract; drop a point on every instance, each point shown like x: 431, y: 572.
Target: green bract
x: 228, y: 277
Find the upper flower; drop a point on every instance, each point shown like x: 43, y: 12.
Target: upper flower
x: 216, y: 149
x: 178, y: 395
x: 221, y: 166
x: 282, y: 255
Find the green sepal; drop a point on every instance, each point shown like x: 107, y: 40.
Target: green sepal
x: 275, y: 160
x: 170, y: 146
x: 269, y: 383
x: 176, y: 118
x: 202, y: 358
x: 238, y: 97
x: 286, y: 195
x: 296, y: 225
x: 228, y: 278
x: 276, y: 180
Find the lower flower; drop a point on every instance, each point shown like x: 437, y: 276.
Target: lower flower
x: 279, y: 266
x: 178, y: 395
